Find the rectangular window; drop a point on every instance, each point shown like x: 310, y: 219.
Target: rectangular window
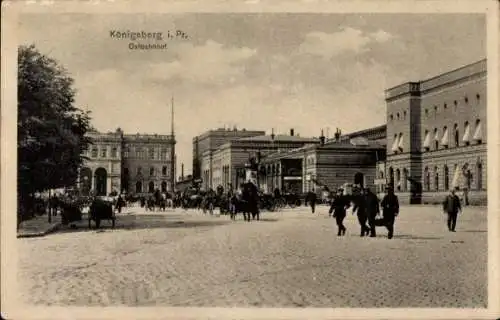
x: 151, y: 153
x: 104, y: 152
x: 164, y: 170
x: 113, y: 153
x: 94, y: 152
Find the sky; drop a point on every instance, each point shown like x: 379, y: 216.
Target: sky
x: 256, y: 71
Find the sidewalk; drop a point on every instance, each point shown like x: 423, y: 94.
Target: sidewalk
x: 38, y: 226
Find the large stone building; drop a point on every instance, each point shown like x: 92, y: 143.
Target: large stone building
x: 350, y: 158
x: 436, y: 134
x: 131, y: 163
x: 212, y: 139
x: 225, y: 165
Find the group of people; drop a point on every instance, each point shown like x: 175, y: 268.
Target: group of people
x: 365, y: 204
x: 367, y: 208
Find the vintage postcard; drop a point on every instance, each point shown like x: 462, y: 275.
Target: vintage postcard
x: 250, y: 160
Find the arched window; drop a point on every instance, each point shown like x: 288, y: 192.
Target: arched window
x: 436, y: 139
x: 427, y: 179
x: 426, y: 112
x: 163, y: 186
x: 104, y: 152
x: 392, y: 117
x: 114, y: 152
x: 478, y: 132
x: 152, y: 171
x: 138, y: 153
x: 444, y: 140
x: 139, y: 170
x: 456, y: 135
x: 397, y: 116
x: 446, y: 178
x: 466, y: 99
x: 404, y: 115
x: 391, y: 176
x: 164, y: 170
x: 405, y: 180
x: 151, y: 187
x: 398, y: 179
x: 466, y: 137
x: 138, y: 187
x: 478, y: 97
x: 436, y: 179
x: 479, y: 174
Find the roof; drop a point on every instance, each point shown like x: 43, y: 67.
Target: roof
x: 280, y: 138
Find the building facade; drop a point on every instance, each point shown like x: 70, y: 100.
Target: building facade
x: 436, y: 136
x: 213, y: 139
x: 323, y: 165
x: 225, y: 166
x: 134, y: 164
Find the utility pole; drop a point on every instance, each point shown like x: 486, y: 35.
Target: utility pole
x: 172, y: 150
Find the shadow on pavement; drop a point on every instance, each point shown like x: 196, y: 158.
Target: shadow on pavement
x: 142, y: 221
x: 411, y: 237
x: 474, y: 231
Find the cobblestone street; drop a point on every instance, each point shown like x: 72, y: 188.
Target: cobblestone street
x: 289, y: 259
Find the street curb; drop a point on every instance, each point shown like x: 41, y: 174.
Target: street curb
x: 51, y: 229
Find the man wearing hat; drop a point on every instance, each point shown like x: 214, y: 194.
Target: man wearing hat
x: 339, y: 207
x: 390, y: 210
x: 372, y: 208
x: 451, y: 206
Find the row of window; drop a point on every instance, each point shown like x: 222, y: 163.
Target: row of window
x: 152, y: 171
x: 104, y: 152
x: 445, y: 107
x: 443, y: 140
x: 397, y: 145
x: 151, y: 187
x: 140, y: 153
x: 399, y: 178
x: 458, y: 173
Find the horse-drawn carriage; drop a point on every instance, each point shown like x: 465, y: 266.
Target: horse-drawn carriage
x: 101, y: 209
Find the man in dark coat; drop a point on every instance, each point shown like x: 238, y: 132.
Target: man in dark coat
x: 312, y: 198
x: 339, y: 206
x: 390, y: 210
x: 451, y: 206
x: 372, y: 210
x: 361, y: 212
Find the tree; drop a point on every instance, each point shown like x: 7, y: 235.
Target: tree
x: 51, y: 130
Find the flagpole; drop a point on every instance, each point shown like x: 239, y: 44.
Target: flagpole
x: 172, y: 151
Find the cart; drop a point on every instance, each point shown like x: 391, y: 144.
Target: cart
x: 101, y: 209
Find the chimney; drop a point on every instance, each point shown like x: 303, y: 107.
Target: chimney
x: 322, y: 138
x: 337, y: 135
x: 182, y: 171
x: 272, y: 134
x: 291, y: 132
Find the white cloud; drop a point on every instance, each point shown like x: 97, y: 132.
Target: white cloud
x: 209, y: 63
x: 347, y: 40
x: 382, y: 36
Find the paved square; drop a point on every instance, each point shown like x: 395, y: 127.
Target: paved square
x: 289, y: 259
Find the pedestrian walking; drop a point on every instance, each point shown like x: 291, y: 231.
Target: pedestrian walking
x: 361, y: 212
x: 312, y: 198
x: 372, y: 210
x: 451, y: 206
x: 390, y: 210
x: 339, y: 206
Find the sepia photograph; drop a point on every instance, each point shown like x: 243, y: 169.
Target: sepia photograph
x: 249, y: 159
